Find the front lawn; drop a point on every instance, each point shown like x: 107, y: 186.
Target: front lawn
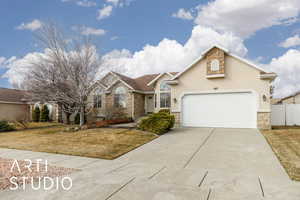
x: 102, y: 143
x: 285, y: 142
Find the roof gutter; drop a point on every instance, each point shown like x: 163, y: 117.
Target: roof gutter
x: 268, y: 76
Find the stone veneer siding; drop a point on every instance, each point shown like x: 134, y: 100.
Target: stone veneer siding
x: 110, y: 102
x: 139, y: 105
x: 264, y: 120
x: 177, y: 119
x: 218, y: 54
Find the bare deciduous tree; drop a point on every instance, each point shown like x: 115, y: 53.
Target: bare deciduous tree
x: 65, y: 72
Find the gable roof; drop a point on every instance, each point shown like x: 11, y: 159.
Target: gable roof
x: 227, y: 52
x: 128, y: 81
x: 13, y: 95
x: 160, y: 75
x: 290, y: 96
x: 137, y: 84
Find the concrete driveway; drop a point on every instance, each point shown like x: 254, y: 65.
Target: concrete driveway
x: 194, y: 163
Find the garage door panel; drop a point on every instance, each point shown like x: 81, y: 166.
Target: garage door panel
x: 234, y: 110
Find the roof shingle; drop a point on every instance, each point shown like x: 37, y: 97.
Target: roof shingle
x: 13, y: 95
x: 140, y: 83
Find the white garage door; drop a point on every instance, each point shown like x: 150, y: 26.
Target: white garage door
x: 230, y: 110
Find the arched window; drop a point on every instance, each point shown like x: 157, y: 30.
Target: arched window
x: 120, y: 97
x: 165, y: 95
x: 215, y: 65
x: 98, y: 98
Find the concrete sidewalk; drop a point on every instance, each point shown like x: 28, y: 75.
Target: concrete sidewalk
x: 199, y: 163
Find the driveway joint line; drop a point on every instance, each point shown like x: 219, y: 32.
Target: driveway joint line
x: 86, y: 164
x: 62, y: 160
x: 198, y: 149
x: 156, y: 173
x: 116, y: 169
x: 261, y: 187
x: 209, y: 193
x: 119, y: 189
x: 202, y: 180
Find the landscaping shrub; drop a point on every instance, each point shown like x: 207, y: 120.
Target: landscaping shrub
x: 36, y: 114
x: 158, y: 123
x: 165, y: 111
x: 77, y: 118
x: 45, y: 114
x: 5, y: 126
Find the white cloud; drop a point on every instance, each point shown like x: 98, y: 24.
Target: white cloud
x: 114, y: 38
x: 291, y: 42
x: 288, y: 69
x: 119, y: 3
x: 169, y: 55
x: 183, y: 14
x: 32, y: 26
x: 104, y: 12
x: 17, y: 68
x: 244, y: 18
x: 2, y: 60
x: 86, y: 3
x: 82, y: 3
x: 114, y: 2
x: 91, y: 31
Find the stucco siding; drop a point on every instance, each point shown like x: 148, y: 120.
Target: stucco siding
x: 12, y: 112
x: 238, y: 76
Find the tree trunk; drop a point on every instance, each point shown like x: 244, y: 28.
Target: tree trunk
x: 68, y: 115
x: 81, y: 116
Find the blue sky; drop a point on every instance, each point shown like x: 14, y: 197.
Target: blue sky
x: 158, y: 34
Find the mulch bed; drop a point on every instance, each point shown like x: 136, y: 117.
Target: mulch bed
x: 6, y: 172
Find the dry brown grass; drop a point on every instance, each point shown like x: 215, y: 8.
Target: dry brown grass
x: 32, y: 125
x: 95, y: 143
x: 285, y: 142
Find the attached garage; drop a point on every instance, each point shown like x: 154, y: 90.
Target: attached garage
x: 229, y: 110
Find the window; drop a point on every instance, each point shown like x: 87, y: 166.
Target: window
x: 155, y: 101
x: 215, y: 65
x: 165, y: 95
x: 120, y: 97
x: 164, y: 87
x: 98, y: 98
x: 165, y: 100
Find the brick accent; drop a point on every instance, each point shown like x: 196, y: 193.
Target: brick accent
x: 218, y: 54
x: 109, y: 100
x: 264, y: 120
x: 177, y: 119
x: 139, y: 105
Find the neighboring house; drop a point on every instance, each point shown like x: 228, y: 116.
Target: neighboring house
x: 292, y: 99
x: 219, y: 89
x: 13, y: 105
x: 53, y: 110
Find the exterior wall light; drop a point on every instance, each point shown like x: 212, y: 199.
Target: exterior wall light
x: 264, y: 98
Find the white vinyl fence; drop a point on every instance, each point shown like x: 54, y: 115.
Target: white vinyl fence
x: 285, y: 115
